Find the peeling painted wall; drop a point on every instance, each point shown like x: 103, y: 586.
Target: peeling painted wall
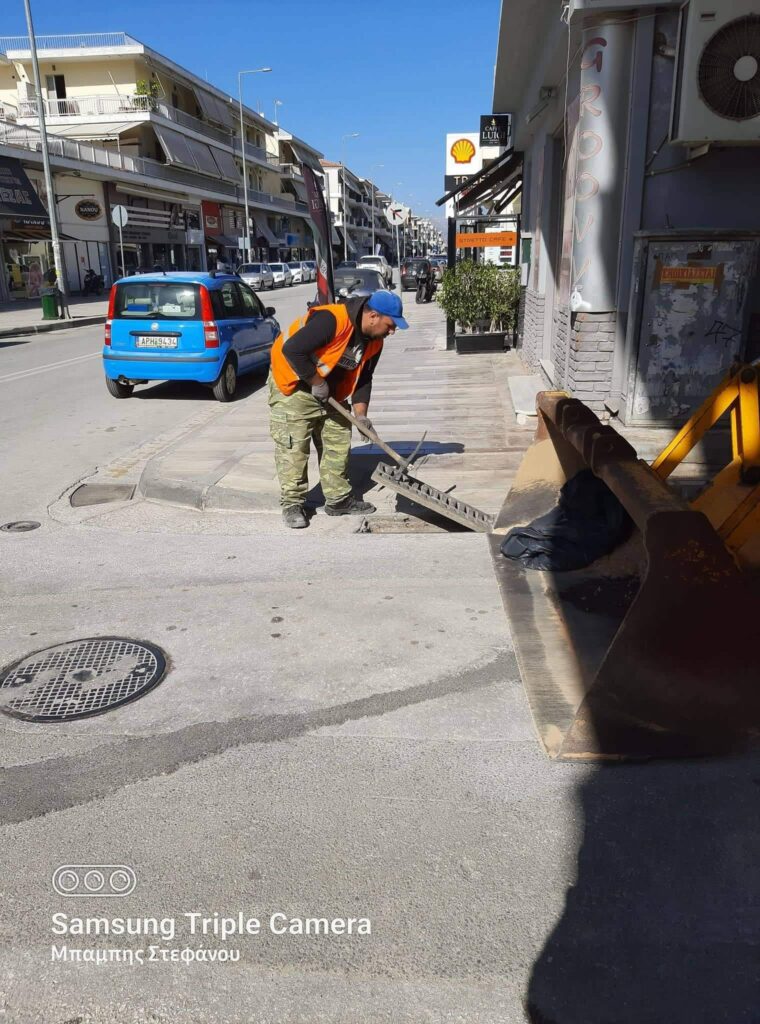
x: 694, y: 305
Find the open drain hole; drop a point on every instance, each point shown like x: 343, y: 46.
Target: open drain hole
x: 20, y: 526
x: 101, y: 494
x: 80, y: 678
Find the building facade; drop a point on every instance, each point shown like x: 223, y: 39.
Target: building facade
x: 144, y: 133
x: 640, y: 226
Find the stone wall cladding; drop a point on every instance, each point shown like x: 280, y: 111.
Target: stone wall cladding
x: 592, y: 344
x: 532, y: 327
x: 560, y: 331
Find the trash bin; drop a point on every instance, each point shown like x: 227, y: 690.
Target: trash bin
x: 49, y: 304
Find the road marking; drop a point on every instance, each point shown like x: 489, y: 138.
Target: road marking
x: 19, y: 374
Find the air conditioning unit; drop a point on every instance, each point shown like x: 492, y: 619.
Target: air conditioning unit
x: 717, y: 82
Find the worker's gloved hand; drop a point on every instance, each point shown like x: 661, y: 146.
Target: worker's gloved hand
x: 365, y: 422
x: 321, y: 390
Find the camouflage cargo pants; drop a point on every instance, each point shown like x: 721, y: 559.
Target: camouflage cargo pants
x: 293, y: 421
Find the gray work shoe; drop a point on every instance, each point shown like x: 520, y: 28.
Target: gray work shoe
x: 350, y: 506
x: 293, y: 516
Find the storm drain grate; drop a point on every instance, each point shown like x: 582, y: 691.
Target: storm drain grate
x: 80, y: 678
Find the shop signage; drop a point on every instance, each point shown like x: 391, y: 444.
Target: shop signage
x: 485, y: 239
x: 88, y: 209
x: 496, y: 130
x: 212, y: 217
x: 684, y: 276
x: 463, y: 154
x: 17, y: 195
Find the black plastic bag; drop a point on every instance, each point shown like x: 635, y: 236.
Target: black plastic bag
x: 587, y: 522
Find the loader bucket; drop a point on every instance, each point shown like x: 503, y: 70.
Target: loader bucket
x: 647, y: 652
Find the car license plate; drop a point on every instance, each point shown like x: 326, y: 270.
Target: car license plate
x: 155, y: 341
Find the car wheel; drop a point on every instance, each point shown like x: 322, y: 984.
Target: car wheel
x: 226, y: 385
x: 117, y: 389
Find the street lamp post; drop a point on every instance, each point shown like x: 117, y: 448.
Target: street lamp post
x: 350, y: 135
x: 52, y: 210
x: 254, y: 71
x: 372, y: 184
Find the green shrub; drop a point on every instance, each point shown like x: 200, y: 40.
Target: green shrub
x: 480, y: 296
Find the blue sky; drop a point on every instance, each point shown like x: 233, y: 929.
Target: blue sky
x: 400, y: 74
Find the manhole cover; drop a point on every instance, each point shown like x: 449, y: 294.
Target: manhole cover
x: 20, y: 526
x: 80, y: 678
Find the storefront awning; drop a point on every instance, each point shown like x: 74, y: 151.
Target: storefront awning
x: 213, y: 108
x: 306, y: 157
x: 17, y: 195
x: 229, y: 241
x: 488, y: 184
x: 350, y: 244
x: 15, y: 231
x: 92, y: 130
x: 264, y: 231
x: 196, y: 156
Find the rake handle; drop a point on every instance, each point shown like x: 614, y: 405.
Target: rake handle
x: 369, y: 433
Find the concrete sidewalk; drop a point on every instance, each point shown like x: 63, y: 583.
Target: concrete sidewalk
x: 473, y: 441
x: 25, y: 316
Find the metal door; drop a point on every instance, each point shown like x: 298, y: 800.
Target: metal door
x: 693, y: 322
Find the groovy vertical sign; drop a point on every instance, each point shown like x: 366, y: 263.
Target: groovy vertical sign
x: 600, y: 141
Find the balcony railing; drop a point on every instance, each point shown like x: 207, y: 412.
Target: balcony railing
x: 292, y: 171
x: 89, y: 106
x: 81, y: 41
x: 255, y: 153
x: 7, y: 112
x: 193, y: 123
x: 86, y: 152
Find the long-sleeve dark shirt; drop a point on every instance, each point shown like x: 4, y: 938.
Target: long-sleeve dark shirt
x: 318, y: 331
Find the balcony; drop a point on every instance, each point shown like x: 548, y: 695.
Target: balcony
x: 291, y: 171
x: 255, y: 153
x: 100, y: 159
x: 88, y: 106
x: 7, y: 112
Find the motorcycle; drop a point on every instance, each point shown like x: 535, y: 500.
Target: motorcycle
x: 93, y: 283
x: 425, y: 285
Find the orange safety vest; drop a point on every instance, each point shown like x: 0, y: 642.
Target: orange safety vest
x: 327, y: 356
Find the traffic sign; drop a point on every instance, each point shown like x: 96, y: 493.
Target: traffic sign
x: 119, y: 216
x: 396, y: 213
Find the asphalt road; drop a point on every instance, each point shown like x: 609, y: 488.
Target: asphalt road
x: 58, y: 422
x: 341, y: 735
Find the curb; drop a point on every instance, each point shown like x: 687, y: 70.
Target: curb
x: 58, y: 325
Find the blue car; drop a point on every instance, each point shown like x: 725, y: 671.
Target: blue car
x: 206, y: 327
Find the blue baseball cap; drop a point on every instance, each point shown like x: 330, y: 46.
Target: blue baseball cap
x: 388, y: 304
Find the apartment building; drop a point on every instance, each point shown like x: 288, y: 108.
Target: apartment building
x: 129, y: 127
x: 362, y: 222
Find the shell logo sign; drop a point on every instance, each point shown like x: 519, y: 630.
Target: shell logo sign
x: 463, y: 151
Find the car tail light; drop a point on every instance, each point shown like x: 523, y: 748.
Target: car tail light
x: 111, y: 310
x: 210, y: 327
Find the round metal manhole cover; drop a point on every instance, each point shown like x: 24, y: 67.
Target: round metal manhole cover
x: 80, y: 679
x: 20, y: 526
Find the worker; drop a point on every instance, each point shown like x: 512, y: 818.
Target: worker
x: 332, y: 351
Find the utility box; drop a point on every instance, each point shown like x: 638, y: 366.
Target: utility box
x: 693, y: 312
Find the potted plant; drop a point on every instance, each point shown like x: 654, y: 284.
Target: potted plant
x: 150, y: 90
x: 481, y: 300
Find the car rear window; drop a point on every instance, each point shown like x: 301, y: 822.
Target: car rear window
x: 159, y: 300
x: 250, y: 268
x: 278, y: 267
x: 294, y: 266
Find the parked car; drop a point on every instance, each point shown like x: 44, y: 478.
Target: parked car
x: 346, y: 263
x: 379, y: 263
x: 296, y: 269
x: 202, y: 327
x: 312, y: 265
x: 257, y: 275
x: 409, y: 270
x: 360, y: 281
x: 282, y: 275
